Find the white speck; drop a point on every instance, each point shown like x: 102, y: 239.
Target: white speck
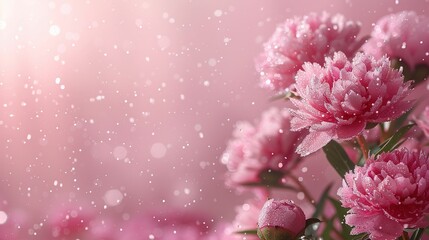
x: 151, y: 237
x: 404, y: 45
x: 218, y: 13
x: 3, y: 217
x: 28, y: 136
x: 201, y: 135
x: 182, y: 97
x: 57, y: 80
x: 147, y: 59
x: 120, y: 152
x: 54, y: 30
x: 158, y: 150
x: 187, y: 191
x: 55, y: 183
x: 212, y: 62
x: 226, y: 40
x: 113, y: 197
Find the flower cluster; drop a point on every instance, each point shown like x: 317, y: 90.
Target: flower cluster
x: 338, y: 100
x: 258, y: 152
x: 305, y: 39
x: 352, y: 100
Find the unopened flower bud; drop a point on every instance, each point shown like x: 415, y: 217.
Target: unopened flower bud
x: 280, y: 220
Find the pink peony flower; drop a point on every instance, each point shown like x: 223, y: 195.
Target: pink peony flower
x: 304, y: 39
x: 255, y: 150
x: 423, y: 122
x: 280, y: 218
x: 387, y: 194
x: 401, y: 35
x: 339, y: 99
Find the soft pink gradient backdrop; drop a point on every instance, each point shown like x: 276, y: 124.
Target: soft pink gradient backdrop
x: 151, y: 90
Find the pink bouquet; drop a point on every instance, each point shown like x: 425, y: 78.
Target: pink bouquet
x: 354, y: 99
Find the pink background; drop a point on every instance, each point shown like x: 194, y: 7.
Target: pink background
x: 137, y: 96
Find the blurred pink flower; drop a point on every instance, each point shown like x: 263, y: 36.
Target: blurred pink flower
x: 387, y: 194
x: 338, y: 100
x: 423, y: 121
x: 304, y: 39
x: 401, y: 35
x: 268, y: 146
x: 172, y: 225
x: 246, y: 219
x: 69, y: 220
x: 281, y: 216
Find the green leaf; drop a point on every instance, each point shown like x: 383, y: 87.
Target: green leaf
x: 338, y: 158
x: 309, y: 229
x: 370, y: 125
x: 248, y: 232
x: 321, y: 203
x: 397, y: 123
x: 362, y: 236
x: 341, y: 213
x: 417, y: 235
x: 276, y: 185
x: 392, y: 143
x: 329, y: 225
x: 311, y: 221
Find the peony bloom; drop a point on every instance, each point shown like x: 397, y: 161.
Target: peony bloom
x: 423, y: 122
x: 282, y: 219
x: 304, y: 39
x: 339, y: 99
x: 402, y: 35
x: 255, y: 150
x: 388, y: 194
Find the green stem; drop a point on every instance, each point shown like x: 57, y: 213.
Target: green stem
x: 363, y: 146
x: 417, y: 235
x: 405, y: 236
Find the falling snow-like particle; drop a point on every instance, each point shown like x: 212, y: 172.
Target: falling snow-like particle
x: 3, y: 217
x: 218, y: 13
x: 113, y: 197
x: 54, y: 30
x: 158, y: 150
x: 120, y: 152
